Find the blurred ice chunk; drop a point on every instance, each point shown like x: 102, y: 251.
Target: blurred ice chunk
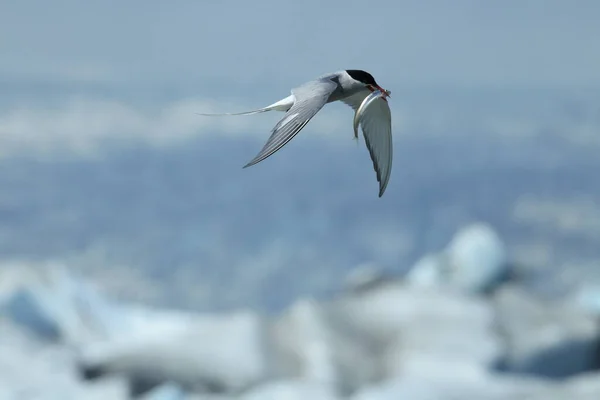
x: 477, y: 258
x: 587, y: 298
x: 451, y: 387
x: 363, y: 277
x: 31, y: 368
x: 553, y: 339
x: 27, y: 309
x: 304, y: 339
x: 475, y: 261
x: 167, y: 391
x: 49, y: 301
x: 396, y: 330
x: 219, y: 353
x: 291, y: 390
x: 427, y: 272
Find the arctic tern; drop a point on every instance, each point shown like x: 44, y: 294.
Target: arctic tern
x: 352, y: 87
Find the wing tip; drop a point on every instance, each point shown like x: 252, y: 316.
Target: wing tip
x: 383, y: 184
x: 260, y: 157
x: 251, y: 163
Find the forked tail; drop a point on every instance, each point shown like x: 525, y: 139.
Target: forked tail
x: 261, y: 110
x: 281, y: 105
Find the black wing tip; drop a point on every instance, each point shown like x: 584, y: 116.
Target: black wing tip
x: 254, y: 161
x: 382, y: 185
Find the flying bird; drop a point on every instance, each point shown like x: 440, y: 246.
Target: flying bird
x: 350, y: 86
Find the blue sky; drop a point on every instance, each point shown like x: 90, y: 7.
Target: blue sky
x: 283, y: 42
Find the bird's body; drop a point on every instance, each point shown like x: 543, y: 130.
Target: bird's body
x: 348, y: 86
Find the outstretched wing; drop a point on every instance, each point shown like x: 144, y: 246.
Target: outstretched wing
x: 309, y: 99
x: 376, y: 124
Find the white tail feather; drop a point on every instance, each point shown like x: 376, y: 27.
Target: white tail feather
x: 240, y: 113
x: 281, y: 105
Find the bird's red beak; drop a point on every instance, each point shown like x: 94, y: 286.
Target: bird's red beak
x: 373, y: 88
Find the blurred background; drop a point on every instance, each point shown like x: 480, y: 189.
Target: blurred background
x: 138, y: 258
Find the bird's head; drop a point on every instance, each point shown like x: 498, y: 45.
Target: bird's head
x: 368, y: 80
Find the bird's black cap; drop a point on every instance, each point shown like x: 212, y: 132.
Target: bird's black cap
x: 362, y: 76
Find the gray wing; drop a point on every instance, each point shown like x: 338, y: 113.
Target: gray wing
x: 356, y: 100
x: 309, y: 99
x: 376, y: 125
